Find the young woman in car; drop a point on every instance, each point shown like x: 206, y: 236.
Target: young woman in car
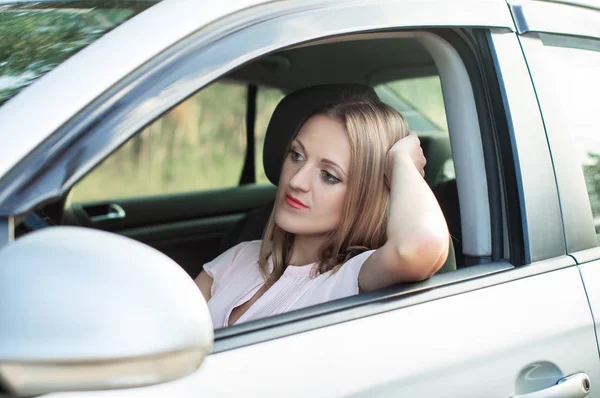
x: 352, y: 214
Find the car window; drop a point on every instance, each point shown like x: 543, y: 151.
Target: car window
x: 419, y: 99
x: 575, y: 76
x: 37, y: 36
x: 198, y: 145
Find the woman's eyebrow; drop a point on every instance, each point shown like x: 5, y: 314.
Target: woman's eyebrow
x: 300, y: 143
x: 334, y: 165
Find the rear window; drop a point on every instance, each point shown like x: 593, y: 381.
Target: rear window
x: 36, y: 37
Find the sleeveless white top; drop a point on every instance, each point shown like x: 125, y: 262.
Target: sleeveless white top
x: 237, y: 278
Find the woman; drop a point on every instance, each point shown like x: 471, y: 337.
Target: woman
x: 352, y: 214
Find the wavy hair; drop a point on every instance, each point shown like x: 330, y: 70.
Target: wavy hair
x: 372, y: 127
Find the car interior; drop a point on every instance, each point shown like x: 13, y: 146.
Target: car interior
x: 194, y: 227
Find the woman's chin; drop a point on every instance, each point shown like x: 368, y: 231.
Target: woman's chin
x: 290, y: 224
x: 295, y: 226
x: 286, y: 223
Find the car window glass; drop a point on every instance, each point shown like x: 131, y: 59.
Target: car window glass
x: 198, y: 145
x: 37, y: 37
x: 575, y: 76
x: 266, y: 100
x: 419, y: 99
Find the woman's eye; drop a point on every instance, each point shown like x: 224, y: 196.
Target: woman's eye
x: 295, y: 156
x: 329, y: 178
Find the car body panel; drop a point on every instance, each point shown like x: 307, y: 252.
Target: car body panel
x: 575, y: 205
x: 590, y: 273
x: 384, y: 355
x: 542, y: 223
x: 557, y: 17
x: 575, y: 25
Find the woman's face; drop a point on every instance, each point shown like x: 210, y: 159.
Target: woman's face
x: 313, y: 180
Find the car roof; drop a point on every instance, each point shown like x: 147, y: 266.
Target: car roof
x: 48, y: 103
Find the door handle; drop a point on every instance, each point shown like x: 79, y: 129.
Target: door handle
x: 110, y: 212
x: 574, y: 386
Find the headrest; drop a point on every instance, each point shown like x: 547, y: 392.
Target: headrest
x: 291, y: 112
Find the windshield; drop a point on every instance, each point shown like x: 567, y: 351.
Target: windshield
x: 37, y: 36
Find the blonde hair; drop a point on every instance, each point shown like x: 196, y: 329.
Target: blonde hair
x: 372, y: 127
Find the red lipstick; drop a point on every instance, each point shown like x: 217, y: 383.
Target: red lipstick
x: 295, y: 203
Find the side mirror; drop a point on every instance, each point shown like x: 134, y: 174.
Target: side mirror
x: 82, y: 309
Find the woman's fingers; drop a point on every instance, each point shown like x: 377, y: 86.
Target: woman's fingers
x: 410, y: 146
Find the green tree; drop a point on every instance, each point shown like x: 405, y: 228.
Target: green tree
x: 35, y: 39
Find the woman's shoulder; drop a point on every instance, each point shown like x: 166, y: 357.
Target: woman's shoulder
x: 358, y: 259
x: 249, y: 248
x: 242, y: 254
x: 346, y: 277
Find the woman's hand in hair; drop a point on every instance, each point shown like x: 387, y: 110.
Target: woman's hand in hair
x: 409, y: 146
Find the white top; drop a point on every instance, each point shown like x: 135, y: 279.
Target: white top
x: 237, y: 278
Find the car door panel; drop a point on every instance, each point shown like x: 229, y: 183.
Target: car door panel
x: 187, y: 227
x: 566, y: 91
x: 517, y: 342
x: 590, y: 273
x: 191, y: 243
x: 424, y: 350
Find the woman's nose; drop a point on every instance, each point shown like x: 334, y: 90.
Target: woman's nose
x: 301, y: 179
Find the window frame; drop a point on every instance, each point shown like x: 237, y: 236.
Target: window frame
x: 565, y: 17
x: 20, y: 196
x: 575, y: 23
x: 576, y: 208
x: 146, y: 86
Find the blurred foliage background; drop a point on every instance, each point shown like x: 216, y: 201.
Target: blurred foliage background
x: 37, y: 36
x: 201, y: 143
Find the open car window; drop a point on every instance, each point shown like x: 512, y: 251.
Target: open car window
x: 199, y: 145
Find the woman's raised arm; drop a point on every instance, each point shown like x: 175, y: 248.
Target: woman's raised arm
x: 417, y: 235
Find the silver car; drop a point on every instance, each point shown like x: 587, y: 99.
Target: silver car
x: 132, y: 153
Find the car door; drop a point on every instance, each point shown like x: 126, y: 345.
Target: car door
x: 516, y: 321
x: 569, y: 34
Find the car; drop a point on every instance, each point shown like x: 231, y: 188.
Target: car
x: 133, y: 154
